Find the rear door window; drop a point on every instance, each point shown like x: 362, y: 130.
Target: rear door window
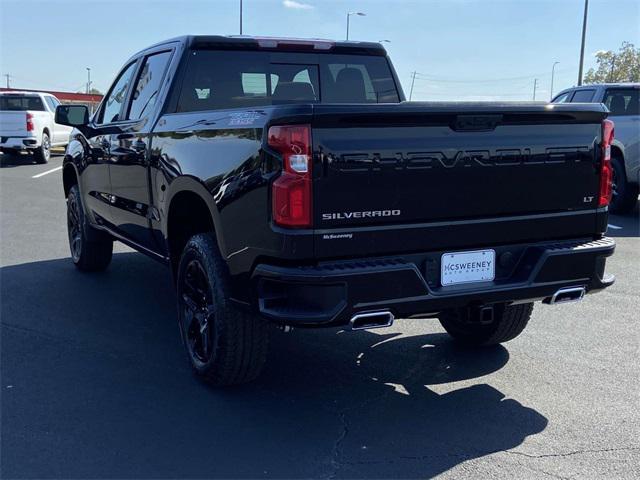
x: 623, y: 101
x: 583, y: 96
x: 145, y: 93
x: 21, y: 103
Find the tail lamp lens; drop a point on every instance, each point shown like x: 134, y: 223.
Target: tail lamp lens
x: 292, y: 190
x: 29, y: 122
x: 606, y: 169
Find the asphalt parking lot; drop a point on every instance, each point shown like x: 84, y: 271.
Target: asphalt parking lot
x: 95, y: 384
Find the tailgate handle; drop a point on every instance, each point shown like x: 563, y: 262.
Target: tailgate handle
x: 476, y: 122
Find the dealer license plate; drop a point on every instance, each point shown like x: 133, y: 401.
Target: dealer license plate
x: 468, y: 267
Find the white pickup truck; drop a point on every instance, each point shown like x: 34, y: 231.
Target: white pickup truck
x: 27, y: 124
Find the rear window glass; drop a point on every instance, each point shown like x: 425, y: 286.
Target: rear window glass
x: 219, y: 79
x: 583, y: 96
x: 20, y: 103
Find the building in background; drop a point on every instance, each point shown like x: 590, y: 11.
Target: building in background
x: 89, y: 99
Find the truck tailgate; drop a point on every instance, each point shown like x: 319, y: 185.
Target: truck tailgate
x: 409, y: 164
x: 13, y: 124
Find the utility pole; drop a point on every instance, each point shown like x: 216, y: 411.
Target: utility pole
x: 535, y: 85
x: 7, y: 77
x: 553, y: 71
x: 413, y: 80
x: 584, y: 33
x: 240, y: 17
x: 88, y: 80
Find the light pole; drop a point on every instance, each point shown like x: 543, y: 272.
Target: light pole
x: 88, y: 79
x: 553, y: 71
x: 240, y: 17
x: 535, y: 86
x: 584, y: 33
x: 360, y: 14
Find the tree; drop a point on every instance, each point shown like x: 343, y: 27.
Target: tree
x: 623, y: 66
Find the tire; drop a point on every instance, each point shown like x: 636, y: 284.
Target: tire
x: 91, y: 250
x: 43, y: 153
x: 225, y: 345
x: 625, y: 195
x: 508, y: 322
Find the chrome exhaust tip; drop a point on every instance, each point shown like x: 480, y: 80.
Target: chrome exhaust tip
x: 567, y: 295
x: 365, y: 321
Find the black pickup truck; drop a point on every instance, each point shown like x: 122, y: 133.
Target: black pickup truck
x: 288, y: 182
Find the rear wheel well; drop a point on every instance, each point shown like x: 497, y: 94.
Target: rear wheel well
x: 616, y: 152
x: 69, y: 179
x: 188, y: 216
x: 46, y: 130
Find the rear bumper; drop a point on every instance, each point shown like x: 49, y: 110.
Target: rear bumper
x: 330, y: 293
x: 18, y: 143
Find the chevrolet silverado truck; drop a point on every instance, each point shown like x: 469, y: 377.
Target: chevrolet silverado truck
x: 623, y: 102
x: 27, y: 124
x: 288, y: 182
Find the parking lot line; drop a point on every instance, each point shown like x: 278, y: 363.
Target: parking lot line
x: 47, y: 172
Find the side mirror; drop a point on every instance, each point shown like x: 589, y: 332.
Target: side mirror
x: 72, y: 115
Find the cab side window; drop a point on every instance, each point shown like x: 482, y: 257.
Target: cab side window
x: 564, y: 98
x: 112, y: 106
x: 52, y: 102
x: 583, y: 96
x: 623, y: 101
x: 147, y: 88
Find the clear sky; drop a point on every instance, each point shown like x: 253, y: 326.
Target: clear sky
x: 463, y: 49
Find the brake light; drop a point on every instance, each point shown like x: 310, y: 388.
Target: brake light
x: 606, y: 170
x: 291, y: 191
x: 29, y: 122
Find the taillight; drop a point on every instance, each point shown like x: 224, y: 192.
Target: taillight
x: 606, y: 170
x: 29, y: 122
x: 291, y: 191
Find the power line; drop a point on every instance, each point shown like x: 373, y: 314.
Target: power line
x: 436, y: 79
x: 413, y: 80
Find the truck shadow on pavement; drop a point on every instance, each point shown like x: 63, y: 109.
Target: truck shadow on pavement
x: 19, y: 160
x: 95, y: 385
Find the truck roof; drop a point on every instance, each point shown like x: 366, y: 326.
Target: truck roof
x: 592, y: 85
x: 246, y: 42
x: 23, y: 93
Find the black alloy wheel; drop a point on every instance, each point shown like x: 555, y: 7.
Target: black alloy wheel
x: 197, y: 313
x: 74, y: 227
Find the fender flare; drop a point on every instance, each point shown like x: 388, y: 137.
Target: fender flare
x: 73, y: 158
x: 187, y: 183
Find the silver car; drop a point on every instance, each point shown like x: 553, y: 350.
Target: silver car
x: 623, y: 101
